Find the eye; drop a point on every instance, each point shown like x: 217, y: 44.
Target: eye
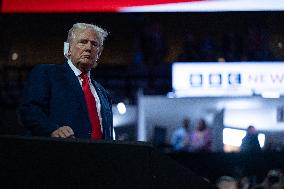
x: 83, y: 41
x: 95, y: 43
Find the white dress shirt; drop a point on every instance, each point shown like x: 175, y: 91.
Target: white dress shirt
x: 77, y: 72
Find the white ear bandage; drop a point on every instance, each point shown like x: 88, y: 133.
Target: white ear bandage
x: 66, y: 49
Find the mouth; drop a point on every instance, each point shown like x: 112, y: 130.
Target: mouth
x: 86, y: 57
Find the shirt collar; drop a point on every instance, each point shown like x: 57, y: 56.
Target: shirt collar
x: 76, y: 71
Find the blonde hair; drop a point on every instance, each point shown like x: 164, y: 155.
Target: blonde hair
x: 102, y: 34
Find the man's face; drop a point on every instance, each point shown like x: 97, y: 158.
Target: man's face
x: 252, y: 130
x: 85, y: 49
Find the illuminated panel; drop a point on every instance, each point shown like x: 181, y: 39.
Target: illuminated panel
x: 211, y: 6
x: 48, y: 6
x: 45, y: 6
x: 228, y: 79
x: 234, y: 137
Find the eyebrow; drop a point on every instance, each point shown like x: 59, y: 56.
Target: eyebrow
x: 92, y: 41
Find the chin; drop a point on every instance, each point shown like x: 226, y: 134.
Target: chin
x: 87, y: 65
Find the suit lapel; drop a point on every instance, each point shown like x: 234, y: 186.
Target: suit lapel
x: 99, y: 93
x: 75, y: 87
x: 96, y: 88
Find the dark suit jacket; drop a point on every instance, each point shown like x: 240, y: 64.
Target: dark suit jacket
x: 53, y: 98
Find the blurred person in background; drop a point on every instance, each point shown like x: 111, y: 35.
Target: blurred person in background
x: 64, y: 101
x: 226, y: 182
x: 181, y: 136
x: 277, y: 186
x: 272, y: 144
x: 250, y: 142
x: 245, y: 182
x: 201, y: 139
x: 273, y: 179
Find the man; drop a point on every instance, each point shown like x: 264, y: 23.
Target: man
x: 201, y: 139
x: 250, y: 142
x: 64, y: 100
x: 180, y: 137
x: 226, y: 182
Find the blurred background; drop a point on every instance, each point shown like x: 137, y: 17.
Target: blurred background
x: 187, y: 77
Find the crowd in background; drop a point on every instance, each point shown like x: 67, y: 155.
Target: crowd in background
x: 254, y: 44
x: 199, y: 140
x: 273, y: 180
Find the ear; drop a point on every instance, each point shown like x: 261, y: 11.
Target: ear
x: 66, y: 49
x: 100, y: 51
x: 69, y: 50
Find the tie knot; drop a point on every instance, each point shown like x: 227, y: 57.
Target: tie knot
x: 84, y: 75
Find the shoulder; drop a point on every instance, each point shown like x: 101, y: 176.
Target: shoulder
x: 101, y: 88
x: 179, y: 131
x: 46, y: 67
x: 103, y: 92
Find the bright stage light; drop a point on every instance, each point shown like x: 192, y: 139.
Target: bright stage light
x: 121, y: 108
x: 233, y: 137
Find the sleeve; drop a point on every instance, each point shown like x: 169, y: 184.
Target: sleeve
x: 34, y: 109
x: 111, y: 117
x: 106, y: 110
x: 107, y: 101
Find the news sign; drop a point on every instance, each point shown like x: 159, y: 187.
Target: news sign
x: 227, y: 79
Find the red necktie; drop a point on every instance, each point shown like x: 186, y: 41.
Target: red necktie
x: 92, y: 108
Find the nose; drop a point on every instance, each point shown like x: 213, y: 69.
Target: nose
x: 88, y: 46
